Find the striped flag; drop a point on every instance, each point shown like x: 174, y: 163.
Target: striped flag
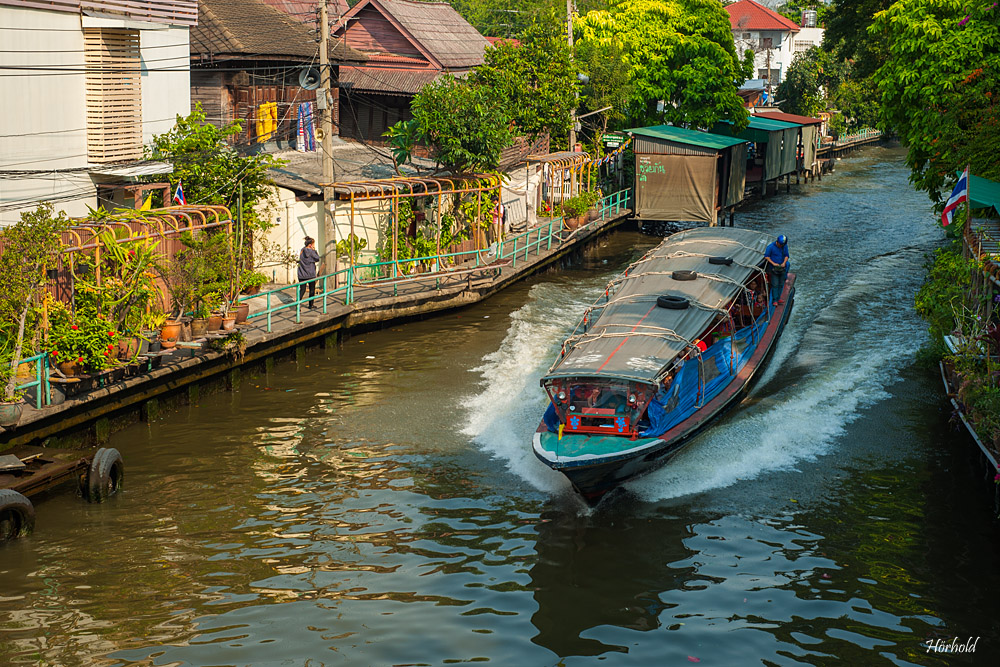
x: 959, y: 196
x: 179, y: 195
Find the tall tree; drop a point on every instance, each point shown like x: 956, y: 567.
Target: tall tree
x: 464, y: 123
x: 810, y: 79
x: 609, y: 87
x: 847, y: 24
x: 940, y: 86
x: 534, y: 81
x: 678, y: 51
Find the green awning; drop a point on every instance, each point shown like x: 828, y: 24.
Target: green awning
x: 983, y: 193
x: 684, y: 136
x: 758, y: 131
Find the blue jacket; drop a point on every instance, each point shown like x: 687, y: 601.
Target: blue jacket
x: 776, y: 254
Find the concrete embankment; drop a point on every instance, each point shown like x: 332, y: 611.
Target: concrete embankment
x: 185, y: 373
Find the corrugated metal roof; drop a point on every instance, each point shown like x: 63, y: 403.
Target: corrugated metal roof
x: 388, y: 81
x: 685, y: 136
x: 438, y: 28
x: 766, y: 124
x: 749, y: 15
x: 788, y: 117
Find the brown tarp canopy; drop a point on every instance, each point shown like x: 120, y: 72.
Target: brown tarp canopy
x: 676, y: 187
x: 789, y: 151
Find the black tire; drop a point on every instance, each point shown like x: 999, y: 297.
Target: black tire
x: 722, y: 261
x: 105, y: 477
x: 684, y: 275
x: 17, y: 515
x: 671, y: 302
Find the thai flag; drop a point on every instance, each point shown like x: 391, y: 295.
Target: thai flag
x: 179, y: 195
x: 959, y: 195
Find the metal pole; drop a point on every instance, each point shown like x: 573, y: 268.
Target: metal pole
x: 569, y: 39
x: 326, y: 230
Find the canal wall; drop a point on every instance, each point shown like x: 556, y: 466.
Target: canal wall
x: 190, y: 372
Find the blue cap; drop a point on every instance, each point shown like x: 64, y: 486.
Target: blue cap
x: 782, y: 240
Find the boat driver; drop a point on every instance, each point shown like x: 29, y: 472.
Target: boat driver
x: 776, y: 265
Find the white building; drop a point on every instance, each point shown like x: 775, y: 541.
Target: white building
x: 84, y: 85
x: 774, y: 39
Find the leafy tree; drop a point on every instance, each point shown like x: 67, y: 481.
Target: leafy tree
x: 28, y: 250
x: 402, y: 139
x: 846, y: 34
x: 211, y: 170
x: 678, y: 51
x: 809, y: 79
x: 858, y: 101
x: 609, y: 84
x: 502, y: 18
x: 464, y: 123
x: 939, y: 86
x: 793, y: 10
x: 535, y: 80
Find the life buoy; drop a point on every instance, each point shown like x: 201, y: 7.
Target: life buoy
x: 684, y: 275
x: 672, y: 302
x: 723, y: 261
x: 17, y: 515
x: 105, y: 477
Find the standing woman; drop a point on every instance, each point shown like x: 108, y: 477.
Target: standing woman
x: 308, y: 259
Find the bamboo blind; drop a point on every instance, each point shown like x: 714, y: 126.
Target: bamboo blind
x: 114, y: 95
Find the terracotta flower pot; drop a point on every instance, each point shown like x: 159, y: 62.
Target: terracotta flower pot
x: 129, y: 347
x: 169, y: 334
x: 69, y: 368
x: 229, y: 323
x: 199, y: 326
x: 242, y: 312
x: 214, y: 322
x: 10, y: 413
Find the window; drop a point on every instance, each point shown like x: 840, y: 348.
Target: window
x: 766, y: 43
x: 747, y: 35
x: 773, y: 79
x: 803, y: 44
x: 114, y: 94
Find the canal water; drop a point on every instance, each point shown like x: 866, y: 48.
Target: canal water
x: 379, y: 504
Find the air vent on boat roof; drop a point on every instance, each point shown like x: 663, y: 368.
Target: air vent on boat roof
x: 724, y: 261
x: 684, y: 275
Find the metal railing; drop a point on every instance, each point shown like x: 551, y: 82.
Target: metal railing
x: 43, y: 390
x: 340, y: 286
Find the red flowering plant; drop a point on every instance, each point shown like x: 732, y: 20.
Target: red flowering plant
x: 89, y: 340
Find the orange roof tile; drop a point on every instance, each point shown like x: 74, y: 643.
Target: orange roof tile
x: 749, y: 15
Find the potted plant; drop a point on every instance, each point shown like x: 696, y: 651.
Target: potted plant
x: 199, y: 322
x: 81, y: 342
x: 252, y: 281
x: 28, y: 250
x: 574, y: 209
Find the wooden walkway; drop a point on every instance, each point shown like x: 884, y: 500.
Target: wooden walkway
x: 373, y: 304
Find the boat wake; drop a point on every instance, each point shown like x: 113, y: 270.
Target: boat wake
x: 839, y: 353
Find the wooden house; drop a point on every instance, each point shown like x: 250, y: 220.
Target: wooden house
x: 407, y: 44
x: 246, y: 53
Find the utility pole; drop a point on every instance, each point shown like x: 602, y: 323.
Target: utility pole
x: 326, y: 229
x: 569, y: 37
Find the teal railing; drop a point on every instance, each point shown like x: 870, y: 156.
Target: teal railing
x: 43, y: 390
x: 340, y: 286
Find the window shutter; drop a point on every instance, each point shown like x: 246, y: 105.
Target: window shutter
x: 114, y: 95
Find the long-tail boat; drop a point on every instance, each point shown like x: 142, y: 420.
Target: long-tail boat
x: 672, y: 343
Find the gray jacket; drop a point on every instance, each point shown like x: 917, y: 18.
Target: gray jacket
x: 308, y: 259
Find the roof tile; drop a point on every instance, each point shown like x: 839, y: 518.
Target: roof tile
x: 749, y: 15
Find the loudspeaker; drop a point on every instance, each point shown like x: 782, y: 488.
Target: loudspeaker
x: 309, y: 78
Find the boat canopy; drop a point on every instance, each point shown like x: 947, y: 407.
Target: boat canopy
x: 626, y: 335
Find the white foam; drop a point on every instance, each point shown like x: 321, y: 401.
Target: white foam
x: 857, y: 353
x: 505, y: 414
